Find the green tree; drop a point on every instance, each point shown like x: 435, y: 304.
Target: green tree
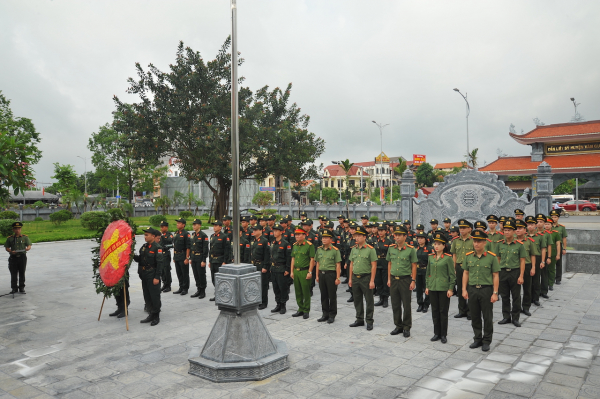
x: 66, y: 176
x: 330, y: 195
x: 186, y: 113
x: 472, y: 157
x: 347, y: 166
x: 401, y: 167
x: 425, y: 175
x: 262, y: 199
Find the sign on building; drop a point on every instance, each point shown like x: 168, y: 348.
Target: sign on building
x: 418, y: 159
x: 382, y: 158
x: 263, y: 188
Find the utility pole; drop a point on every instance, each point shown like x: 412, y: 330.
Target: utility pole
x: 381, y: 192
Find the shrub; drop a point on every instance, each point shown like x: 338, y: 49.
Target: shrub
x: 373, y: 218
x: 38, y: 219
x: 6, y: 227
x: 205, y: 214
x: 93, y: 220
x: 269, y: 211
x: 9, y: 215
x: 116, y: 213
x: 39, y: 204
x: 128, y: 208
x: 60, y: 217
x: 156, y: 220
x: 186, y: 214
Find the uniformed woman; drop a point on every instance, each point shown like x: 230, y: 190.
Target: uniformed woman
x: 440, y: 278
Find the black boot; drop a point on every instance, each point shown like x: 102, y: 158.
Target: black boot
x: 148, y: 319
x: 196, y: 294
x: 276, y: 309
x: 283, y: 309
x: 156, y: 319
x: 167, y: 289
x: 385, y: 302
x: 419, y: 308
x: 178, y: 292
x: 426, y: 308
x: 117, y: 312
x: 351, y: 299
x: 202, y: 293
x: 380, y: 302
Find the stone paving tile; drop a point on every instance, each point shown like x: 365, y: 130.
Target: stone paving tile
x: 516, y: 388
x: 556, y: 391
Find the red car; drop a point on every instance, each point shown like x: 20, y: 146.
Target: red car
x: 584, y: 206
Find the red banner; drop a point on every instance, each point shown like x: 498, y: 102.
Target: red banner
x: 418, y: 159
x: 115, y: 252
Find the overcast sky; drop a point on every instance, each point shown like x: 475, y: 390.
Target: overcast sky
x: 350, y: 62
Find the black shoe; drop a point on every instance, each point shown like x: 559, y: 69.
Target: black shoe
x: 516, y: 323
x: 195, y: 295
x: 121, y: 315
x: 444, y: 340
x: 262, y: 306
x: 475, y: 345
x: 558, y: 283
x: 298, y: 314
x: 22, y: 290
x: 117, y: 312
x: 468, y: 317
x: 311, y: 292
x: 406, y: 333
x: 485, y: 347
x: 544, y: 296
x: 184, y: 292
x: 178, y: 292
x: 380, y: 302
x: 357, y: 324
x: 396, y: 331
x: 526, y: 312
x: 330, y: 320
x: 202, y: 293
x: 323, y: 318
x: 536, y: 303
x: 305, y: 315
x: 166, y: 289
x: 148, y: 319
x: 420, y: 308
x: 276, y: 309
x: 345, y: 281
x: 351, y: 299
x: 369, y: 326
x: 551, y: 288
x: 156, y: 320
x: 435, y: 338
x: 283, y: 309
x: 426, y: 308
x: 459, y: 315
x: 385, y: 302
x: 504, y: 321
x: 212, y: 299
x: 349, y: 290
x: 14, y: 291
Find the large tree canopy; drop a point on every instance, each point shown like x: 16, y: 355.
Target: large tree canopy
x: 186, y: 113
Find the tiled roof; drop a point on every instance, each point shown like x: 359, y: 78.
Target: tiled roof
x: 560, y: 163
x: 560, y: 131
x: 337, y: 170
x: 449, y: 165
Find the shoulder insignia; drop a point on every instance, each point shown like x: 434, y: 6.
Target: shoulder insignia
x: 491, y: 253
x: 334, y: 247
x: 454, y: 238
x: 469, y: 253
x: 370, y: 246
x: 488, y: 239
x: 500, y: 233
x: 519, y: 241
x: 25, y: 235
x: 531, y: 239
x: 562, y: 225
x: 448, y: 254
x: 431, y: 254
x: 310, y: 243
x: 320, y: 247
x: 410, y: 246
x: 555, y: 231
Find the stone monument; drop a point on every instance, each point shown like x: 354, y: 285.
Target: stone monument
x: 239, y: 347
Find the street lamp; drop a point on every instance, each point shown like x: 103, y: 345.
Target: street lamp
x: 381, y: 156
x: 84, y: 171
x: 575, y: 104
x: 468, y: 112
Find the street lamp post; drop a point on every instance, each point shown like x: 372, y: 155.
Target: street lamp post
x: 361, y: 184
x: 235, y: 136
x: 468, y: 112
x: 381, y: 156
x: 84, y: 171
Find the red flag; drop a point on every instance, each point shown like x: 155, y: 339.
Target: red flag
x: 43, y: 191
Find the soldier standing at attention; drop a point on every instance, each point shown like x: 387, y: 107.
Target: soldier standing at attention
x: 199, y: 253
x: 540, y: 242
x: 493, y: 233
x: 245, y: 250
x: 555, y: 215
x: 270, y: 224
x: 340, y: 226
x: 227, y: 227
x: 261, y: 258
x: 220, y: 250
x: 281, y: 252
x: 480, y: 287
x: 519, y: 214
x: 434, y: 226
x: 303, y: 262
x: 328, y: 259
x: 150, y: 261
x: 17, y: 245
x: 532, y: 255
x: 364, y: 220
x: 447, y: 224
x: 303, y: 216
x: 440, y: 279
x: 511, y: 255
x: 363, y: 266
x: 246, y: 230
x: 166, y: 241
x: 181, y: 249
x: 555, y: 241
x: 547, y: 240
x: 402, y: 273
x: 351, y: 244
x: 381, y: 276
x: 253, y: 221
x: 482, y: 226
x: 460, y: 246
x: 423, y: 251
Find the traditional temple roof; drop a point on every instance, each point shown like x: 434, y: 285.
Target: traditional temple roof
x: 577, y: 163
x: 560, y: 132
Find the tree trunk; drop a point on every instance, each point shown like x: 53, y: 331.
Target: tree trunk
x: 221, y: 196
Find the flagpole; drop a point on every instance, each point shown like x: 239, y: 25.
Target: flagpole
x: 235, y: 164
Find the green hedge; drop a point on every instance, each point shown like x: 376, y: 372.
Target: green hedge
x: 93, y: 220
x: 156, y: 220
x: 9, y: 215
x: 60, y: 217
x: 186, y: 214
x: 6, y: 227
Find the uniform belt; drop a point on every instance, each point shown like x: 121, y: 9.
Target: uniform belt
x: 327, y: 271
x: 279, y: 264
x: 422, y: 267
x: 17, y: 255
x: 213, y: 256
x: 304, y: 268
x: 197, y: 253
x: 479, y: 286
x: 508, y: 269
x: 381, y: 257
x: 177, y: 252
x: 147, y: 268
x: 361, y: 275
x: 401, y: 277
x: 257, y: 262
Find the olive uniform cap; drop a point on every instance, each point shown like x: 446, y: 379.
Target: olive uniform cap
x: 364, y: 217
x: 530, y: 219
x: 447, y: 220
x: 400, y: 230
x: 519, y: 212
x: 421, y: 235
x: 217, y: 223
x: 226, y: 217
x: 479, y: 235
x: 454, y: 229
x: 554, y: 212
x: 420, y: 227
x: 440, y: 237
x: 327, y: 233
x: 361, y: 230
x: 520, y: 223
x: 540, y: 216
x: 464, y: 223
x: 306, y: 222
x: 278, y: 227
x: 197, y: 221
x: 510, y: 225
x: 164, y: 223
x: 480, y: 225
x: 502, y: 219
x: 492, y: 218
x: 433, y: 221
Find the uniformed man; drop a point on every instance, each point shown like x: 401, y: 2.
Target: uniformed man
x: 381, y: 246
x: 303, y: 263
x: 363, y: 266
x: 532, y: 255
x: 199, y: 253
x: 501, y: 221
x: 303, y: 216
x: 511, y: 255
x: 447, y: 224
x: 166, y: 241
x: 245, y: 250
x: 562, y: 230
x: 270, y: 224
x: 281, y: 252
x: 219, y: 251
x: 340, y: 226
x: 493, y: 233
x: 402, y: 273
x: 434, y: 226
x: 482, y: 226
x: 423, y: 249
x: 328, y: 260
x: 253, y: 221
x: 17, y: 245
x: 261, y: 258
x: 227, y: 227
x: 246, y: 229
x: 480, y: 288
x: 519, y: 214
x: 547, y: 241
x: 181, y: 249
x: 364, y: 219
x: 289, y: 220
x: 554, y: 239
x: 460, y: 246
x: 150, y: 264
x: 540, y: 241
x: 351, y: 243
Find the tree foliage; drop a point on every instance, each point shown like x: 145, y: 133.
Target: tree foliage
x: 262, y: 199
x: 425, y: 175
x: 186, y: 113
x: 472, y: 157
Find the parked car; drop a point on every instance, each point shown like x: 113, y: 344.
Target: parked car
x: 584, y: 206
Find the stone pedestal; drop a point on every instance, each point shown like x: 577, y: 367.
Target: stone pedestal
x: 239, y: 347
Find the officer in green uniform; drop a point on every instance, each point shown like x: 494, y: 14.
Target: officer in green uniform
x: 494, y: 235
x: 150, y: 264
x: 281, y: 252
x: 533, y: 230
x: 482, y: 226
x: 460, y: 246
x: 402, y: 272
x: 519, y: 214
x: 199, y: 253
x: 363, y: 266
x: 554, y: 239
x: 423, y: 251
x: 381, y: 246
x: 501, y: 221
x: 17, y: 245
x: 303, y: 263
x: 440, y: 280
x: 547, y: 237
x: 512, y: 256
x: 166, y: 241
x: 219, y: 251
x: 480, y: 287
x: 328, y: 260
x: 562, y: 230
x: 181, y: 249
x: 531, y: 258
x: 245, y: 250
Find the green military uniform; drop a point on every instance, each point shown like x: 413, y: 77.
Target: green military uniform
x: 400, y: 261
x: 460, y: 247
x: 381, y: 276
x: 540, y: 241
x: 327, y: 260
x: 480, y: 288
x: 150, y: 264
x: 281, y: 252
x: 302, y: 253
x: 510, y: 255
x: 531, y: 249
x: 219, y: 252
x: 422, y: 261
x: 181, y: 243
x: 198, y: 255
x: 166, y: 241
x: 440, y: 278
x: 361, y: 259
x: 17, y: 263
x: 562, y: 230
x: 261, y: 258
x: 552, y: 238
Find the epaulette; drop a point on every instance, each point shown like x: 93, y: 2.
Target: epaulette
x: 431, y: 254
x: 491, y: 253
x: 519, y: 241
x: 501, y: 232
x: 24, y: 235
x: 455, y: 238
x: 502, y: 241
x: 334, y: 247
x: 531, y: 239
x: 448, y: 254
x: 409, y: 245
x: 555, y: 231
x: 309, y: 243
x: 469, y: 253
x: 370, y: 246
x: 320, y: 247
x: 488, y: 239
x: 561, y: 225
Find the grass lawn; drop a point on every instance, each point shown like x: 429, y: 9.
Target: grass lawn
x: 72, y: 230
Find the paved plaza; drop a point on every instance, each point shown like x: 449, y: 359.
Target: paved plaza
x: 51, y: 344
